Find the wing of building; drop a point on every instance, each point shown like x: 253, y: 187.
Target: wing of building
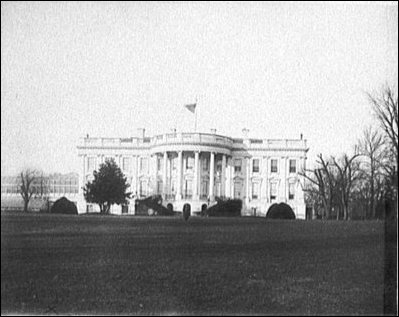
x: 46, y: 189
x: 194, y: 168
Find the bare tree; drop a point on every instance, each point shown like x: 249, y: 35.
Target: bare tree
x: 385, y: 106
x: 348, y: 173
x: 371, y: 146
x: 27, y: 189
x: 322, y: 184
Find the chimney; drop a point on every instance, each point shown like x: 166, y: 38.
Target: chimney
x: 213, y: 131
x: 245, y: 132
x: 301, y: 136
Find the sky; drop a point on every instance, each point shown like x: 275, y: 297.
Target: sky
x: 69, y: 69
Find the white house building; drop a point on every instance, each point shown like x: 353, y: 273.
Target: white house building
x: 194, y: 168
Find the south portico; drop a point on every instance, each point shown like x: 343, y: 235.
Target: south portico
x: 193, y: 177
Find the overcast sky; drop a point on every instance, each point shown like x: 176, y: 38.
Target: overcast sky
x: 106, y: 69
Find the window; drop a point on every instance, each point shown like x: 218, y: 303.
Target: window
x: 237, y: 190
x: 205, y: 164
x: 273, y: 166
x: 173, y: 163
x: 292, y: 166
x: 173, y: 187
x: 255, y: 166
x: 218, y: 190
x: 255, y: 190
x: 237, y: 165
x: 144, y: 165
x: 188, y: 191
x: 159, y: 163
x: 190, y: 163
x: 204, y: 189
x: 159, y: 187
x: 126, y: 164
x: 273, y: 191
x: 91, y: 163
x: 143, y: 188
x: 218, y: 166
x: 291, y: 191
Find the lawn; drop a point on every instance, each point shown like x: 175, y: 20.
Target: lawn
x: 153, y: 265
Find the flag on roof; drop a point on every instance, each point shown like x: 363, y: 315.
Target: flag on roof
x: 191, y: 107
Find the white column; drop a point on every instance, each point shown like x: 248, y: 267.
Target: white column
x: 287, y: 171
x: 169, y: 188
x: 228, y: 179
x: 263, y: 189
x: 199, y: 176
x: 138, y: 175
x: 267, y: 174
x: 283, y: 178
x: 223, y: 177
x: 247, y: 178
x: 196, y: 170
x: 232, y: 178
x: 301, y: 166
x: 133, y: 174
x: 154, y: 174
x: 164, y: 174
x: 179, y: 174
x: 212, y: 176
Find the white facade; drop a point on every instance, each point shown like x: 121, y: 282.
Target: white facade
x: 194, y: 168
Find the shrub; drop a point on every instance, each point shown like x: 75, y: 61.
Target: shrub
x: 225, y: 208
x: 280, y: 211
x: 64, y: 206
x: 152, y: 202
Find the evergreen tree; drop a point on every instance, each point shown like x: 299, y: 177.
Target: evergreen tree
x: 108, y: 187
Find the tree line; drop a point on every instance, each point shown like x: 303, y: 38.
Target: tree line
x: 362, y: 184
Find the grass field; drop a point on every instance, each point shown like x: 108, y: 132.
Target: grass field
x: 150, y: 265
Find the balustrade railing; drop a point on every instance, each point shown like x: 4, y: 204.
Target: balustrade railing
x: 173, y: 138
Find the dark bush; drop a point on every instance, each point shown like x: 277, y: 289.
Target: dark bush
x: 225, y: 208
x: 280, y: 211
x: 154, y: 203
x: 64, y: 206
